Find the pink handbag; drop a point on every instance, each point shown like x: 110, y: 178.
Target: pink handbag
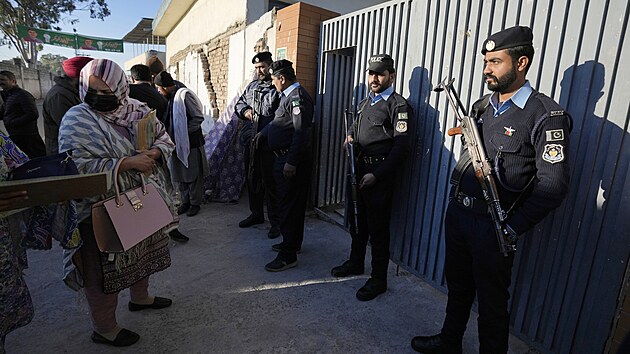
x: 123, y: 220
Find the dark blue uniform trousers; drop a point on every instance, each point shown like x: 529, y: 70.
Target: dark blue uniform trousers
x: 292, y: 193
x: 264, y: 162
x: 474, y: 266
x: 375, y: 207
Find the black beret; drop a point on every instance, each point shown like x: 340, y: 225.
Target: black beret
x: 164, y: 79
x: 262, y: 56
x: 380, y: 62
x: 280, y: 67
x: 508, y: 38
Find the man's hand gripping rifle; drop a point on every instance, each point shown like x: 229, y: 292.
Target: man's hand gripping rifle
x: 482, y: 165
x: 352, y: 173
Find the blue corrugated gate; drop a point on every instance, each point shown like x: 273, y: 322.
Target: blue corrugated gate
x: 570, y: 268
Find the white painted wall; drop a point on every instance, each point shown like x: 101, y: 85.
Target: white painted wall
x: 242, y: 50
x: 204, y: 21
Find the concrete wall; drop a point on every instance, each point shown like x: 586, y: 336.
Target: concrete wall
x: 37, y: 82
x: 204, y: 20
x: 258, y: 36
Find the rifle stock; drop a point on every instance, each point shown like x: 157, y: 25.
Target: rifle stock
x: 482, y: 165
x: 352, y: 173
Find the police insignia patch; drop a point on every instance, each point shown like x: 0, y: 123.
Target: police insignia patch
x: 296, y: 110
x: 402, y: 116
x: 295, y: 103
x: 401, y: 126
x: 555, y: 135
x: 556, y: 113
x: 553, y: 153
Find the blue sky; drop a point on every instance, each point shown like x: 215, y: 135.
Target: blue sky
x: 125, y: 15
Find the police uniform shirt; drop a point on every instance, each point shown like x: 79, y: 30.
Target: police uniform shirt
x: 528, y: 137
x: 269, y: 100
x: 381, y: 129
x: 291, y: 126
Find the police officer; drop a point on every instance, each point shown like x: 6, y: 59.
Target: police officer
x: 380, y: 134
x: 288, y: 137
x: 257, y: 106
x: 526, y: 134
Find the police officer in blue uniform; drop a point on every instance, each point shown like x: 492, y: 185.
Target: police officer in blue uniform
x: 257, y: 107
x: 289, y: 137
x: 526, y: 135
x: 380, y: 137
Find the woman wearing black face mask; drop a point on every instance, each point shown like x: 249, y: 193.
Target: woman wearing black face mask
x: 100, y: 132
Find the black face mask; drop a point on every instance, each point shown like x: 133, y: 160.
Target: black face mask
x: 101, y: 103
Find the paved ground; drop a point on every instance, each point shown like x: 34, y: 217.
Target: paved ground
x: 225, y: 302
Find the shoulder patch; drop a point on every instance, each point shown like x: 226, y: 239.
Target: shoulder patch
x: 296, y: 102
x: 553, y: 153
x: 402, y: 116
x: 296, y: 110
x: 556, y: 113
x: 401, y: 126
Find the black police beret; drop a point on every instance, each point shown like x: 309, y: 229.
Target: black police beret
x: 262, y: 56
x: 280, y: 67
x: 164, y: 79
x: 381, y: 62
x: 508, y: 38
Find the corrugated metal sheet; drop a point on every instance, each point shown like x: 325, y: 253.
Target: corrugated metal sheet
x: 569, y: 269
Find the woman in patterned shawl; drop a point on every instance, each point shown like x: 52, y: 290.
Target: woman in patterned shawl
x: 16, y: 307
x: 100, y: 131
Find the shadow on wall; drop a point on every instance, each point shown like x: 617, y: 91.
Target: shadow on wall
x: 421, y: 201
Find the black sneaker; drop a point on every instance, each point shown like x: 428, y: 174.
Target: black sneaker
x: 372, y: 288
x: 278, y: 246
x: 251, y: 221
x: 183, y: 208
x: 346, y: 269
x: 274, y: 232
x: 178, y: 236
x: 279, y: 264
x: 194, y: 210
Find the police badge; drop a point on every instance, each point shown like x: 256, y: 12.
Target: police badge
x: 553, y: 153
x: 401, y: 126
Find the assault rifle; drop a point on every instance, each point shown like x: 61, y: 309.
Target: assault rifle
x: 482, y: 165
x: 253, y: 176
x: 352, y: 173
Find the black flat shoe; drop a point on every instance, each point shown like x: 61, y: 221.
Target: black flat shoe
x: 124, y: 338
x: 158, y: 303
x: 279, y: 264
x: 194, y: 210
x: 274, y: 232
x: 176, y: 235
x: 183, y: 208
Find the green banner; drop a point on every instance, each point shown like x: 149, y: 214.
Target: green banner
x: 102, y: 44
x: 68, y: 40
x: 36, y: 35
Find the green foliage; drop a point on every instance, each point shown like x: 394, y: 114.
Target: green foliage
x: 51, y: 62
x: 43, y: 14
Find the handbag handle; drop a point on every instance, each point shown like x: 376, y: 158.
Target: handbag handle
x: 133, y: 200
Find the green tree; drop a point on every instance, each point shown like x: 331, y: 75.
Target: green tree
x: 51, y: 62
x: 43, y: 14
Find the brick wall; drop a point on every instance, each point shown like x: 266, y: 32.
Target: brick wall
x: 214, y: 56
x: 297, y: 30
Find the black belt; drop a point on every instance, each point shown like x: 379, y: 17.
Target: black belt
x: 476, y: 205
x: 371, y: 160
x: 281, y: 152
